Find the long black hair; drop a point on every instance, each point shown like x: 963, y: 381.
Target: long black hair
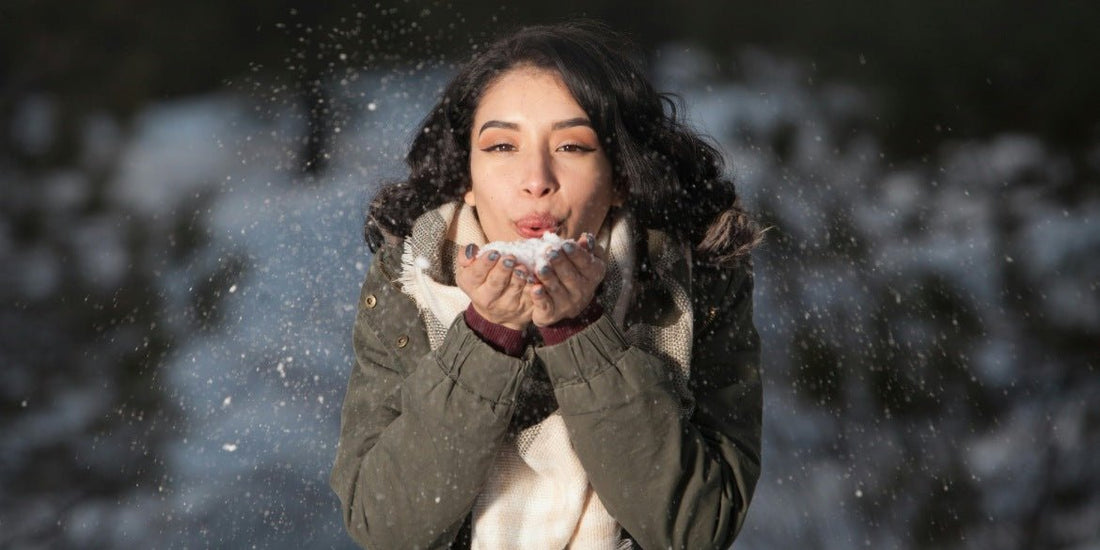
x: 672, y: 178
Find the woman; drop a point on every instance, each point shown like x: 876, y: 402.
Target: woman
x: 609, y: 399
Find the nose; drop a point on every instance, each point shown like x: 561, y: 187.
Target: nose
x: 539, y: 178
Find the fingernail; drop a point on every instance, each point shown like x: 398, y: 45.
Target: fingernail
x: 553, y: 253
x: 544, y: 270
x: 508, y: 262
x: 539, y: 291
x: 568, y: 248
x: 470, y: 249
x: 519, y: 273
x: 589, y: 241
x: 493, y: 256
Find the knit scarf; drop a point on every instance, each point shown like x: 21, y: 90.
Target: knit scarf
x: 537, y: 494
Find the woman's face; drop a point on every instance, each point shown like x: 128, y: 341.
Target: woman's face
x: 536, y: 163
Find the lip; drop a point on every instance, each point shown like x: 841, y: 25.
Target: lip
x: 532, y: 226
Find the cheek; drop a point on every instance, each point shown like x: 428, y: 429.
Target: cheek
x: 493, y: 180
x: 486, y: 170
x: 476, y: 168
x: 602, y: 190
x: 479, y: 177
x: 595, y: 203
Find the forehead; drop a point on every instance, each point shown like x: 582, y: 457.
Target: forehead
x: 528, y: 92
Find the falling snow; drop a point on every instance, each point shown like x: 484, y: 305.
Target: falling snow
x: 901, y: 373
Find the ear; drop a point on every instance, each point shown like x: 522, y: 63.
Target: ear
x: 469, y: 198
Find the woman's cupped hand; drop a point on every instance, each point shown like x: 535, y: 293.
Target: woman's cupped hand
x: 496, y: 286
x: 567, y: 284
x: 508, y: 293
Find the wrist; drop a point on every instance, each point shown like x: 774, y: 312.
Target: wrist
x: 556, y: 333
x: 514, y: 325
x: 504, y: 337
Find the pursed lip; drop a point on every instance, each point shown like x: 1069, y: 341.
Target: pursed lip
x: 532, y: 226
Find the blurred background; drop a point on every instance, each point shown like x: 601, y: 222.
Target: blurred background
x: 183, y: 187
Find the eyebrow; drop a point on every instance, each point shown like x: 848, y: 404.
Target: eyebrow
x: 579, y: 121
x: 559, y: 125
x: 498, y: 124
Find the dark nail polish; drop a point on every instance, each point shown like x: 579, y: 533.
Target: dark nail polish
x: 519, y: 273
x: 493, y: 256
x: 470, y: 249
x: 539, y: 291
x: 589, y: 241
x: 508, y: 262
x: 553, y: 254
x: 568, y: 248
x: 544, y: 270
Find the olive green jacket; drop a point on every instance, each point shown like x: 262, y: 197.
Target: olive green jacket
x: 420, y: 428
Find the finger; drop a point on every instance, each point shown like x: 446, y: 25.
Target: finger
x: 593, y: 270
x: 590, y: 265
x: 520, y: 278
x: 483, y: 262
x: 500, y: 276
x: 512, y: 298
x: 473, y: 271
x: 548, y: 276
x: 565, y: 268
x: 585, y: 253
x: 541, y: 299
x: 588, y: 242
x: 469, y: 256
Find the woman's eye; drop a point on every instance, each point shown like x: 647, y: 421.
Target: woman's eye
x: 575, y: 148
x: 499, y: 147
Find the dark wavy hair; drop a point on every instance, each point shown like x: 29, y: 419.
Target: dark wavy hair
x: 672, y: 178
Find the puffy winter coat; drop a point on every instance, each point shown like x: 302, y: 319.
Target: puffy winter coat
x: 420, y: 428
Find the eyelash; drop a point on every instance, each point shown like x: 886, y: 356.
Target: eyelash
x: 577, y: 148
x: 568, y: 148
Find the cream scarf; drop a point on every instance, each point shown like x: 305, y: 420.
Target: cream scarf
x: 537, y: 494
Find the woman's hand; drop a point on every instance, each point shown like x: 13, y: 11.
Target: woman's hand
x: 496, y: 287
x: 567, y: 285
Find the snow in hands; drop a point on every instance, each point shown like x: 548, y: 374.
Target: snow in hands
x: 529, y: 252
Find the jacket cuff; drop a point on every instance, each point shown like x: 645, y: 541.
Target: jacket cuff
x: 501, y: 338
x: 597, y: 369
x: 582, y: 357
x: 558, y: 332
x: 478, y: 368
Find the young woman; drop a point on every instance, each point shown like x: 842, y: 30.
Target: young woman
x: 609, y: 399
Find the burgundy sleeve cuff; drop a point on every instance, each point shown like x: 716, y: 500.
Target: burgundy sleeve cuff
x: 501, y: 338
x: 558, y: 332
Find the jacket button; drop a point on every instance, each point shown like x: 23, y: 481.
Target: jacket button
x: 402, y: 341
x: 370, y: 301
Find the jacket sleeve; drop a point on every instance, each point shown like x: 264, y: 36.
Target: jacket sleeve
x: 415, y: 447
x: 670, y: 482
